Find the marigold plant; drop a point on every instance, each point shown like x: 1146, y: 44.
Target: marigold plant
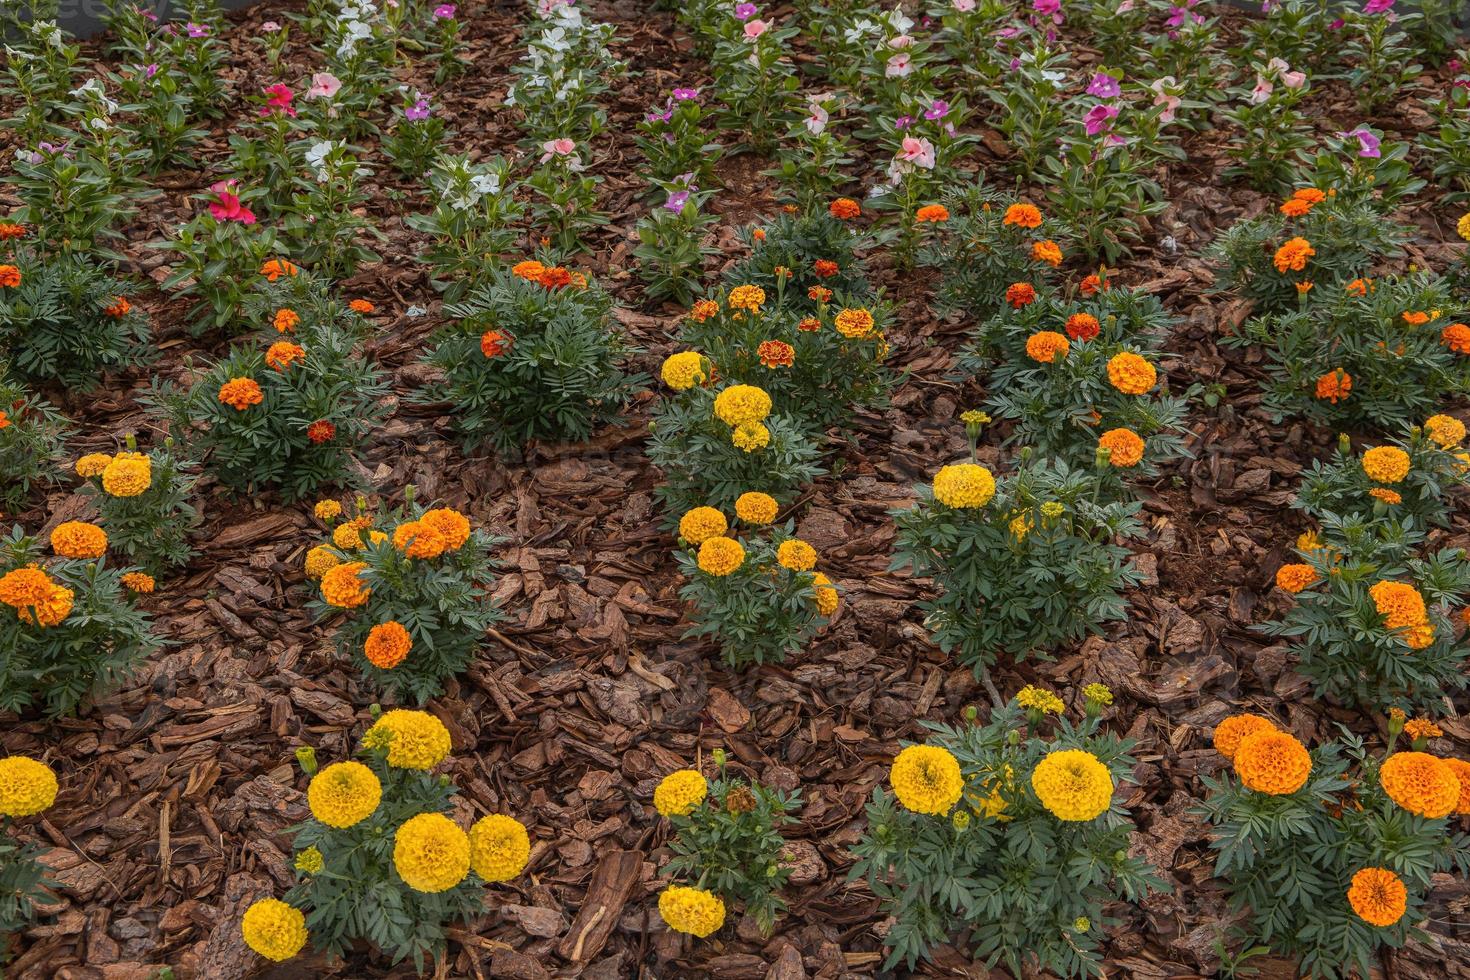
x: 1327, y: 852
x: 1024, y: 564
x: 1028, y: 795
x: 68, y: 626
x: 415, y: 586
x: 32, y: 443
x: 383, y: 858
x: 150, y: 527
x: 27, y: 787
x: 796, y: 258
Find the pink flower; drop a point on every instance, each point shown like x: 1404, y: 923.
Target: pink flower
x: 445, y: 11
x: 278, y: 96
x: 1377, y: 6
x: 198, y: 30
x: 1104, y: 86
x: 917, y: 150
x: 900, y: 41
x: 1289, y: 78
x: 1169, y: 102
x: 1048, y: 8
x: 270, y: 27
x: 228, y: 206
x: 963, y: 6
x: 324, y: 85
x: 744, y: 11
x: 557, y: 148
x: 1099, y: 118
x: 1368, y: 143
x: 898, y: 66
x: 816, y: 116
x: 1262, y: 91
x: 754, y: 29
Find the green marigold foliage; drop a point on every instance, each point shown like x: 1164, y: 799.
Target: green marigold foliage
x: 759, y: 613
x: 732, y: 845
x: 23, y: 885
x: 57, y: 327
x: 979, y: 255
x: 443, y: 602
x: 32, y: 444
x: 1343, y: 640
x: 1288, y: 861
x: 957, y: 873
x: 702, y: 464
x: 358, y: 894
x: 1401, y: 371
x: 1014, y: 575
x: 98, y: 644
x: 797, y: 243
x: 522, y: 362
x: 152, y: 529
x: 315, y: 413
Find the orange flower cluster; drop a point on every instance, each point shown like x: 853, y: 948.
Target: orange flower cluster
x: 286, y: 320
x: 1233, y: 730
x: 1293, y: 255
x: 1456, y: 337
x: 321, y: 431
x: 1124, y: 446
x: 35, y: 596
x: 1093, y: 284
x: 361, y: 306
x: 10, y: 229
x: 341, y: 586
x: 493, y: 343
x: 418, y: 539
x: 1022, y: 216
x: 274, y: 269
x: 1334, y: 386
x: 703, y: 310
x: 9, y: 276
x: 1272, y: 762
x: 386, y: 645
x: 776, y: 353
x: 932, y: 214
x: 240, y: 393
x: 1378, y: 896
x: 844, y: 209
x: 1047, y: 346
x: 1420, y: 783
x: 1131, y: 374
x: 819, y: 294
x: 78, y: 539
x: 283, y: 354
x: 120, y: 308
x: 1047, y: 251
x: 1020, y: 294
x: 1402, y: 608
x: 825, y: 268
x: 1083, y: 326
x: 1416, y: 318
x: 1295, y: 577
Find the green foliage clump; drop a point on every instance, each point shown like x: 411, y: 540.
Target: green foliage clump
x: 151, y: 528
x: 797, y: 243
x: 1342, y: 487
x: 32, y: 443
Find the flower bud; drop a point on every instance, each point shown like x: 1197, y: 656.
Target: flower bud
x: 306, y: 759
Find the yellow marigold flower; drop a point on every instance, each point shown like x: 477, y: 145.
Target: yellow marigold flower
x: 1461, y: 769
x: 274, y: 929
x: 499, y: 847
x: 320, y: 560
x: 326, y: 510
x: 27, y: 786
x: 1047, y: 347
x: 1272, y: 762
x: 1309, y: 541
x: 1420, y: 783
x: 1021, y: 525
x: 680, y: 792
x: 341, y: 586
x: 756, y: 508
x: 1400, y: 604
x: 418, y: 539
x: 747, y: 298
x: 796, y: 555
x: 964, y: 485
x: 854, y: 323
x: 344, y: 794
x: 1386, y: 464
x: 1231, y: 730
x: 1463, y: 226
x: 1378, y: 896
x: 691, y: 910
x: 415, y: 739
x: 719, y: 556
x: 310, y: 861
x: 1131, y: 374
x: 452, y: 526
x: 1073, y: 785
x: 128, y: 475
x: 684, y: 370
x: 1422, y: 728
x: 702, y: 523
x: 139, y: 582
x: 92, y: 464
x: 1125, y: 448
x: 387, y: 644
x: 1098, y: 693
x: 1446, y: 430
x: 1039, y: 699
x: 827, y: 598
x: 431, y: 853
x: 348, y: 536
x: 78, y: 539
x: 1295, y: 577
x: 927, y: 779
x: 750, y: 437
x: 742, y: 405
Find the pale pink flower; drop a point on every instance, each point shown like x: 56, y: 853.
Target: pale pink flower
x: 919, y: 151
x: 324, y: 85
x: 558, y: 148
x: 1262, y: 91
x: 962, y: 6
x: 899, y: 65
x: 754, y: 29
x: 1169, y: 102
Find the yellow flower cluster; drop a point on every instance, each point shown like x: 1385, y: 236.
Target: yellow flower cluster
x: 431, y: 853
x: 747, y: 298
x: 927, y: 779
x: 719, y: 556
x: 1131, y: 374
x: 742, y: 405
x: 1445, y: 430
x: 796, y: 555
x: 1386, y: 464
x: 127, y: 475
x: 680, y: 792
x: 684, y: 370
x: 691, y: 910
x: 702, y: 523
x: 1074, y: 785
x: 414, y: 739
x: 826, y: 595
x: 499, y: 847
x: 274, y: 929
x: 756, y: 508
x: 27, y: 786
x: 344, y: 794
x: 964, y: 485
x: 750, y: 437
x: 1039, y: 699
x: 320, y: 560
x: 327, y: 510
x: 35, y: 596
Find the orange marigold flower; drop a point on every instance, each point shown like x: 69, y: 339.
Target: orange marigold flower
x: 139, y: 582
x: 1022, y: 216
x: 1047, y: 251
x: 1416, y: 318
x: 854, y: 323
x: 51, y: 610
x: 361, y: 306
x: 1131, y: 374
x: 819, y: 294
x: 1419, y: 729
x: 825, y: 268
x: 10, y: 229
x: 775, y: 353
x: 1020, y: 294
x: 1295, y: 577
x: 276, y: 268
x: 286, y: 320
x: 1272, y: 762
x: 22, y: 587
x: 1461, y: 769
x: 240, y: 393
x: 1358, y: 287
x: 1309, y: 194
x: 809, y: 324
x: 321, y: 431
x: 1390, y: 497
x: 1230, y: 731
x: 1125, y: 448
x: 341, y: 586
x: 1295, y: 207
x: 932, y: 213
x: 453, y: 526
x: 419, y: 539
x: 1093, y: 284
x: 1293, y: 255
x: 1398, y: 603
x: 78, y: 539
x: 1378, y: 896
x: 555, y: 277
x: 844, y: 208
x: 703, y: 310
x: 493, y: 343
x: 529, y: 270
x: 746, y: 298
x: 120, y: 307
x: 1046, y: 346
x: 386, y: 645
x: 1334, y: 386
x: 1420, y: 783
x: 1083, y: 326
x: 4, y: 420
x: 1456, y: 337
x: 9, y: 276
x: 283, y: 354
x: 1303, y: 288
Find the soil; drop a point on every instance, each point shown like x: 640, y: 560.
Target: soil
x: 176, y: 790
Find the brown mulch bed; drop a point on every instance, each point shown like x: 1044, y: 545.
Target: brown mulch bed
x: 176, y: 790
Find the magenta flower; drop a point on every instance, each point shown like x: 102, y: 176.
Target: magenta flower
x: 685, y: 94
x: 419, y: 111
x: 745, y: 11
x: 227, y: 206
x: 445, y: 11
x: 198, y: 30
x: 278, y: 97
x: 903, y: 122
x: 937, y: 110
x: 1048, y: 8
x: 1368, y: 143
x: 1104, y: 86
x: 1377, y: 6
x: 1099, y: 118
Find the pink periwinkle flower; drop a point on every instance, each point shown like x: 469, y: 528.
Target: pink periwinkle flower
x: 324, y: 85
x: 1104, y: 86
x: 227, y: 207
x: 1368, y: 142
x: 1099, y: 118
x: 278, y: 97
